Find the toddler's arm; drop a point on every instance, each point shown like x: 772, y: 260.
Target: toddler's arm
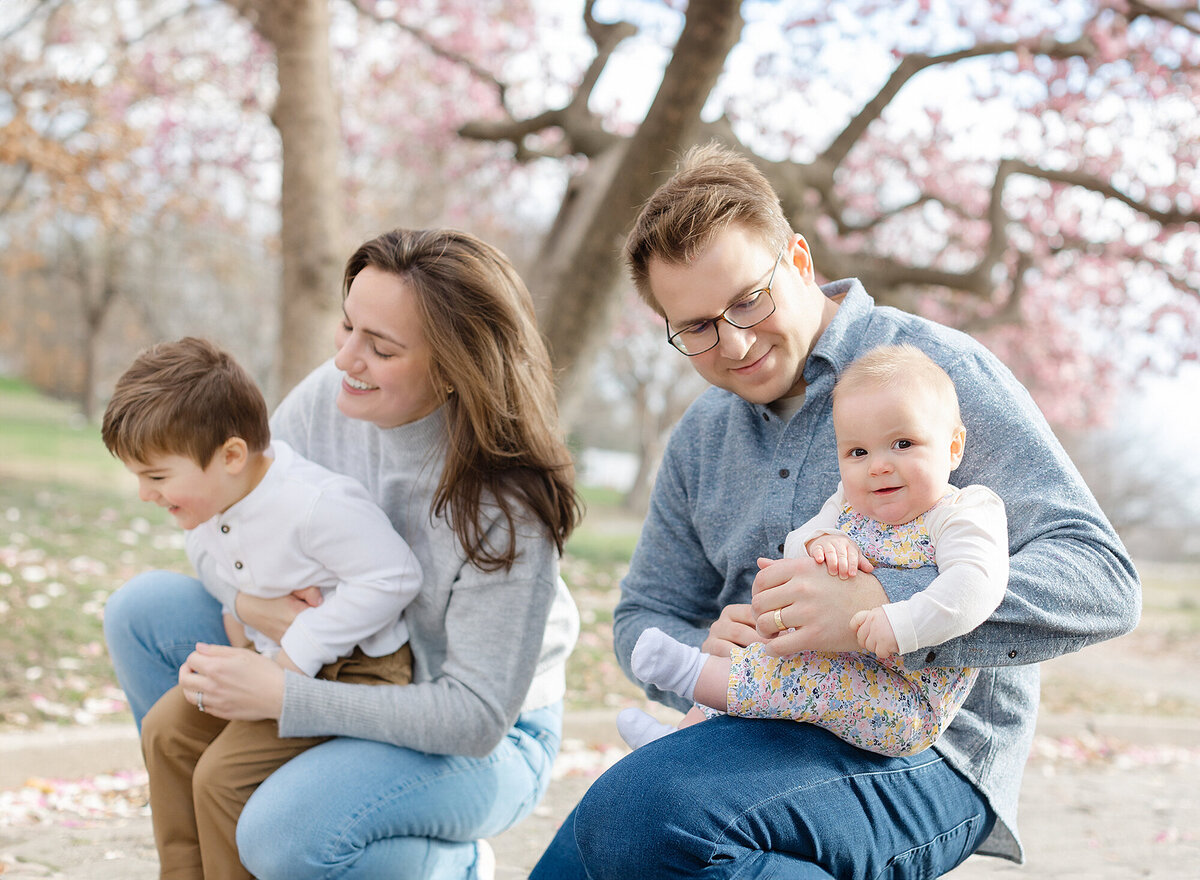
x: 282, y: 659
x: 235, y: 631
x: 377, y: 576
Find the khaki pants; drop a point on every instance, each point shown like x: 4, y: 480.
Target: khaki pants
x: 203, y: 769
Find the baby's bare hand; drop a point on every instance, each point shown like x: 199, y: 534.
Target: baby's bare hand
x: 874, y: 632
x: 840, y: 555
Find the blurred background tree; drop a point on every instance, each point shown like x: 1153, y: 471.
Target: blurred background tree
x: 1026, y: 171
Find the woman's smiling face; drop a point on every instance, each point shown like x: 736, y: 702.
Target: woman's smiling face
x: 383, y: 354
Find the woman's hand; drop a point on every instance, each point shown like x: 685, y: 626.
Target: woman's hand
x: 234, y: 683
x: 733, y: 629
x: 272, y: 617
x: 814, y: 606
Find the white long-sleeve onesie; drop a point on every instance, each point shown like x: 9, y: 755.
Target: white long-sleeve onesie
x: 969, y: 533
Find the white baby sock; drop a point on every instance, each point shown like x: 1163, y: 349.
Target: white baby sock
x: 638, y: 728
x: 667, y: 663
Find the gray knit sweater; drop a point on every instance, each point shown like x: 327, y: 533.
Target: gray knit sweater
x: 486, y: 645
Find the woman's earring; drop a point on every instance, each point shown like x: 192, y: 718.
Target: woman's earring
x: 449, y: 390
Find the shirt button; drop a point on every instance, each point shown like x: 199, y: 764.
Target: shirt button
x: 238, y: 566
x: 766, y: 418
x: 781, y: 549
x: 929, y: 657
x: 225, y: 530
x: 784, y: 473
x: 1012, y: 654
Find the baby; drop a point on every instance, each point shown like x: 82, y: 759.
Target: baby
x: 899, y: 437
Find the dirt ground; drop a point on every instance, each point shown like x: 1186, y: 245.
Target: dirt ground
x: 1108, y: 794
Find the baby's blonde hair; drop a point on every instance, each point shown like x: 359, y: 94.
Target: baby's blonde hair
x: 897, y: 367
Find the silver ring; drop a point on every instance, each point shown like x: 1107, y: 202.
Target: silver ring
x: 200, y: 700
x: 779, y: 627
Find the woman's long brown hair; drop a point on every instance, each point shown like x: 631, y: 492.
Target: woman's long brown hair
x: 504, y: 445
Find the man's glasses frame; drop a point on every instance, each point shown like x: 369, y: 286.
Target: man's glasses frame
x: 743, y: 314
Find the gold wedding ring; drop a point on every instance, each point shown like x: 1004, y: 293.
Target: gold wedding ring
x: 779, y: 620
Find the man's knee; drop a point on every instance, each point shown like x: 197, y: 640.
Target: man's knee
x: 648, y: 806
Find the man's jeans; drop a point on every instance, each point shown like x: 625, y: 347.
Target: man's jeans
x: 735, y: 797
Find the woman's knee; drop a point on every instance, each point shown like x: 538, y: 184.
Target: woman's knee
x: 126, y: 608
x: 143, y: 601
x: 275, y: 839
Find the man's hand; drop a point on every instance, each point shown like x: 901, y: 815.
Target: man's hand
x: 733, y: 629
x: 874, y: 632
x: 839, y: 554
x: 814, y: 606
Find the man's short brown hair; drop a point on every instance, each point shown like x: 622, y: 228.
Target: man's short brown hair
x: 184, y: 398
x: 713, y: 189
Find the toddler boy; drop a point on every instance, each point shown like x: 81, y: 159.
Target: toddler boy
x: 263, y: 521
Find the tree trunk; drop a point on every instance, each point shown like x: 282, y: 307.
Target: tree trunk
x: 578, y: 272
x: 311, y: 228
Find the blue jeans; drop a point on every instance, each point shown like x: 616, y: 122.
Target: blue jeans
x: 347, y: 808
x: 742, y: 798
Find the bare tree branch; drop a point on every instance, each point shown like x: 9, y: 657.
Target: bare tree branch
x: 582, y: 130
x: 18, y: 187
x: 1105, y: 188
x: 436, y: 48
x: 47, y: 6
x: 913, y: 64
x: 1176, y: 15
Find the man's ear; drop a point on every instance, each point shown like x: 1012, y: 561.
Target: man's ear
x: 234, y: 455
x: 958, y: 444
x: 799, y: 255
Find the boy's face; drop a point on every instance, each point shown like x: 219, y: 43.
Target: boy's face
x: 765, y: 362
x: 190, y: 493
x: 896, y: 449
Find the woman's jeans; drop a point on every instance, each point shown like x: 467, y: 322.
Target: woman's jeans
x: 742, y: 798
x: 347, y: 808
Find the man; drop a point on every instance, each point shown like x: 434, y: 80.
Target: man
x: 750, y: 460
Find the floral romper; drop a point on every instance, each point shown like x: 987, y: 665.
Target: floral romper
x: 877, y: 704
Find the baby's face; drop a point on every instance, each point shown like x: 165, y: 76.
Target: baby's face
x: 190, y: 493
x: 896, y: 449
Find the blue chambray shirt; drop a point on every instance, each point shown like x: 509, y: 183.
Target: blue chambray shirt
x: 736, y: 479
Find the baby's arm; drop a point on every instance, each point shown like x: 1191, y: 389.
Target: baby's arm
x: 821, y: 539
x: 874, y: 632
x: 970, y: 537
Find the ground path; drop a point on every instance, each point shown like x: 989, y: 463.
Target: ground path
x: 1106, y: 797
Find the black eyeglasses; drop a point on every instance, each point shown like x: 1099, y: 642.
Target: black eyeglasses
x: 754, y: 308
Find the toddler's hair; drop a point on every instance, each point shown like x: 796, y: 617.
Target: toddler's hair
x: 184, y: 398
x: 895, y: 366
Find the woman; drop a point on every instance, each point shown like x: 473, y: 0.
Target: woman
x: 440, y: 401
